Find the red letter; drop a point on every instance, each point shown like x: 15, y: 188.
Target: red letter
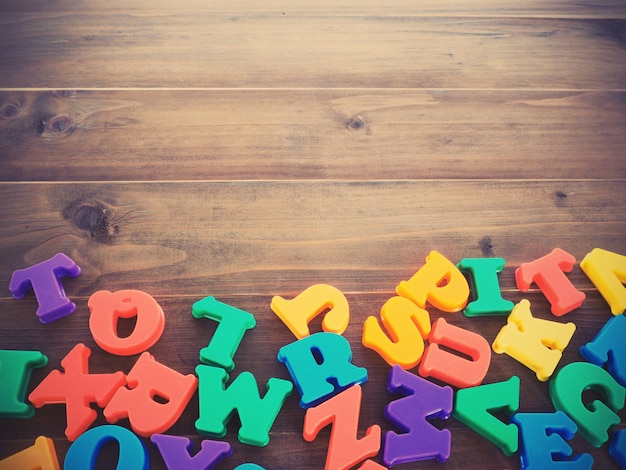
x: 342, y: 411
x: 107, y: 308
x: 451, y: 368
x: 548, y: 272
x: 157, y: 398
x: 77, y: 388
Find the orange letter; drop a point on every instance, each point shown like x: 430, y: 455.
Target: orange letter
x: 408, y: 326
x: 42, y: 456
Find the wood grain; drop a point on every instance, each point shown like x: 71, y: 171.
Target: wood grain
x: 205, y: 50
x: 245, y: 150
x: 273, y: 237
x: 501, y: 8
x: 295, y: 134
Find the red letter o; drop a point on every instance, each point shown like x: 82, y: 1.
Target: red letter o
x: 107, y: 307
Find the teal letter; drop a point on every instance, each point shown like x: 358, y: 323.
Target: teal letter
x: 473, y: 407
x: 320, y: 366
x: 233, y: 323
x: 595, y: 419
x: 485, y: 287
x: 15, y: 370
x: 218, y: 404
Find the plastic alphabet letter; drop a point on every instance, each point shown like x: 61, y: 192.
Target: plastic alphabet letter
x: 548, y: 272
x: 83, y: 453
x: 473, y: 407
x: 77, y: 388
x: 342, y: 412
x: 438, y: 282
x: 609, y: 347
x: 408, y: 326
x: 536, y: 343
x: 41, y: 456
x: 45, y: 280
x: 15, y: 370
x: 607, y: 271
x: 233, y: 323
x: 371, y: 465
x: 422, y: 402
x: 155, y: 398
x: 107, y: 308
x: 218, y: 404
x: 249, y: 466
x: 176, y: 451
x: 543, y: 437
x: 593, y: 420
x: 450, y: 368
x: 298, y: 312
x: 320, y: 365
x: 485, y: 287
x: 617, y: 447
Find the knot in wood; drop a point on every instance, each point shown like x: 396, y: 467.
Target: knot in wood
x: 486, y: 246
x: 95, y: 218
x: 356, y: 123
x: 10, y: 110
x: 55, y: 125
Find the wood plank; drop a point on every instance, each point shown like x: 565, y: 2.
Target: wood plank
x: 182, y: 50
x: 245, y: 150
x: 257, y: 354
x: 311, y: 134
x: 280, y: 237
x: 529, y: 8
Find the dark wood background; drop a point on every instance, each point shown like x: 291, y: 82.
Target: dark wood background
x: 245, y: 150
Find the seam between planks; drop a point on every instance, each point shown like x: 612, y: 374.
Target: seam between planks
x: 529, y: 89
x: 325, y: 180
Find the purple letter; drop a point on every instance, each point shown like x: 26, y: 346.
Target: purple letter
x: 45, y: 279
x: 423, y: 401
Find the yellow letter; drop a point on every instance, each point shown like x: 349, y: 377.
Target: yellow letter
x: 298, y: 312
x: 607, y: 271
x: 438, y: 282
x: 536, y: 343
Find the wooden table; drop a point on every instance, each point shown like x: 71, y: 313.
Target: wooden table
x: 250, y: 149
